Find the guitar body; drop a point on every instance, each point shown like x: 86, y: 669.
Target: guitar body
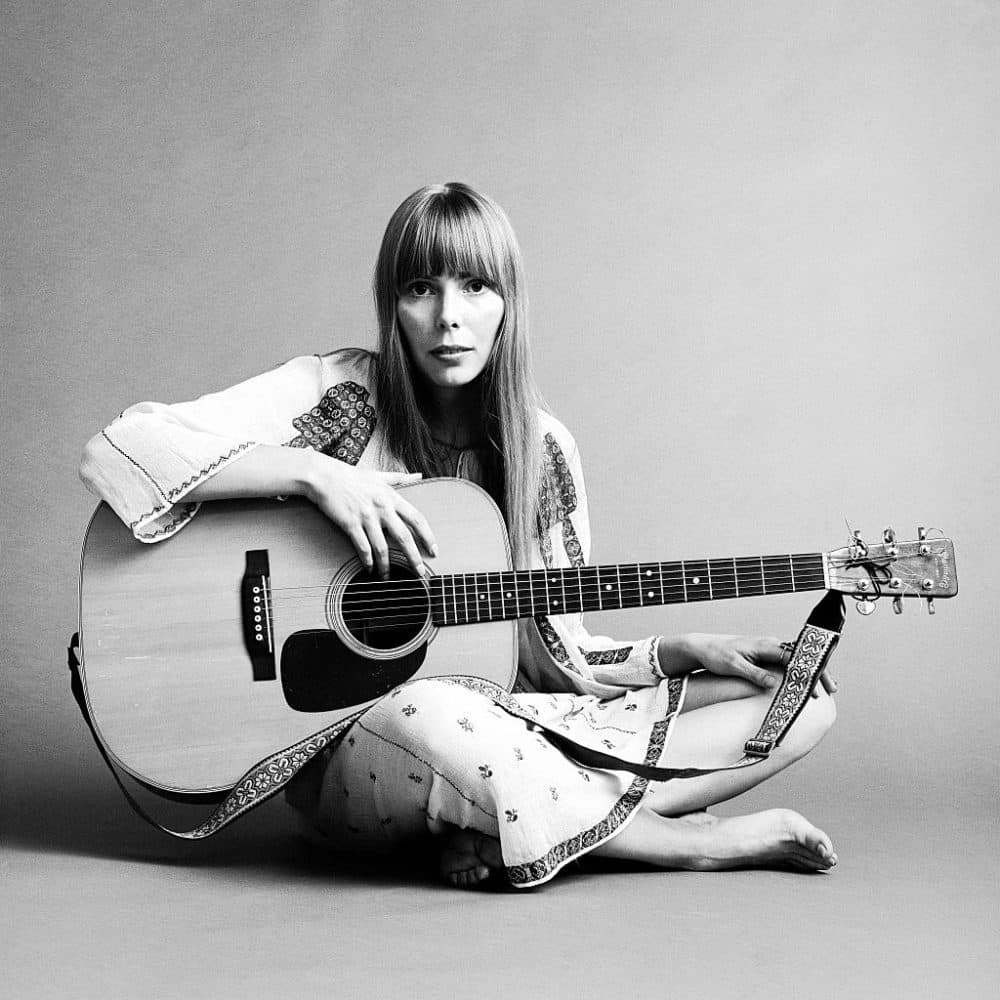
x: 168, y: 675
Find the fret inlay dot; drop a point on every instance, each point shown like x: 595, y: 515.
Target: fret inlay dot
x: 607, y: 586
x: 482, y: 597
x: 649, y: 593
x: 555, y: 603
x: 508, y: 594
x: 649, y: 572
x: 696, y: 579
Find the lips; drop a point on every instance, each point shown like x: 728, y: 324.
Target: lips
x: 449, y: 351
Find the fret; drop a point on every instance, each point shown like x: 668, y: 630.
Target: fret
x: 436, y: 589
x: 777, y: 574
x: 809, y: 571
x: 482, y: 597
x: 592, y: 602
x: 722, y: 574
x: 493, y: 589
x: 674, y: 589
x: 628, y: 578
x: 618, y: 578
x: 749, y: 578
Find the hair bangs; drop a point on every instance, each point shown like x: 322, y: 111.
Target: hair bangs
x: 450, y: 238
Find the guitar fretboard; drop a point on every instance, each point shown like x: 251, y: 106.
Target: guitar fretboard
x: 467, y: 598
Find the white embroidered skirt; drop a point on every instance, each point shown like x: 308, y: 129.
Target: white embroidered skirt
x: 462, y: 751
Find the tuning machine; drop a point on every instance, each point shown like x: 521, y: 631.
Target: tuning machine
x: 889, y: 537
x: 924, y: 549
x: 897, y: 604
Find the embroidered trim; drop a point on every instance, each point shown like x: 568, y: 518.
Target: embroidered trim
x: 185, y: 515
x: 340, y: 425
x: 572, y: 544
x: 145, y: 472
x: 184, y: 487
x: 652, y: 655
x: 543, y: 868
x: 203, y: 473
x: 557, y: 496
x: 603, y: 657
x: 555, y: 646
x: 267, y: 778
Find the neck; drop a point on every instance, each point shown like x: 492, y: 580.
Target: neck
x: 455, y: 415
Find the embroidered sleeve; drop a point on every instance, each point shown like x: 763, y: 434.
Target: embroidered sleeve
x: 596, y: 663
x: 145, y: 462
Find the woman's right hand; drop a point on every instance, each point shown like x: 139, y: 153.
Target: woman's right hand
x: 365, y: 506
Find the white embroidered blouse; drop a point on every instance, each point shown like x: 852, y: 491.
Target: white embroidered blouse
x: 145, y: 463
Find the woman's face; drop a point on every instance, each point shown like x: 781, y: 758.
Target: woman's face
x: 450, y: 324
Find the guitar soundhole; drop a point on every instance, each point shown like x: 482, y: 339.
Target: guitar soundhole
x: 385, y: 614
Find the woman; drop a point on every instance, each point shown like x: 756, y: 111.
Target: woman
x: 450, y: 392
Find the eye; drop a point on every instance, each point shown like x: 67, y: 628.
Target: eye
x: 477, y: 286
x: 419, y: 288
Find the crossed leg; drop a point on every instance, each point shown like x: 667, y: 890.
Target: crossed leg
x: 670, y: 830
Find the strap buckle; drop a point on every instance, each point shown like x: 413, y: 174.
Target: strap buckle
x: 758, y: 748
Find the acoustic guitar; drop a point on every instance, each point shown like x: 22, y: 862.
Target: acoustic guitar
x: 257, y: 625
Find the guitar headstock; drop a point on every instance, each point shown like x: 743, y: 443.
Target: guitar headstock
x: 923, y: 568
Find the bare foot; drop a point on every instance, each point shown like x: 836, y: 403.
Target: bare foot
x: 773, y: 837
x: 468, y: 857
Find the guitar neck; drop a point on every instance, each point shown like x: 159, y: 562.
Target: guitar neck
x: 467, y: 598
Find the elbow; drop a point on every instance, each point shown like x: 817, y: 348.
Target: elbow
x: 90, y: 460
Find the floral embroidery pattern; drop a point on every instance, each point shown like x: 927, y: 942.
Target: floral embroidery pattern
x: 485, y: 771
x: 602, y: 657
x: 340, y: 424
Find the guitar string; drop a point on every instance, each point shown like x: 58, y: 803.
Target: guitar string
x: 598, y: 576
x: 390, y: 591
x: 419, y: 609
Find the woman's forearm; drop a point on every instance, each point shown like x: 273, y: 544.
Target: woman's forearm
x: 264, y: 471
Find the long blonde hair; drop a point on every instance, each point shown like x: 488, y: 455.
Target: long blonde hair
x: 452, y: 229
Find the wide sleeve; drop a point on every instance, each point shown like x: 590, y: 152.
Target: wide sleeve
x: 145, y: 462
x: 591, y: 663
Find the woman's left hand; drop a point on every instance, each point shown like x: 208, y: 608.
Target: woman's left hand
x: 758, y: 660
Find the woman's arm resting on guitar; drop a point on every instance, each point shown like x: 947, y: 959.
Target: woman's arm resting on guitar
x: 754, y: 659
x: 361, y: 502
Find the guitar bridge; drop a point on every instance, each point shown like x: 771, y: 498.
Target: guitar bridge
x: 255, y: 610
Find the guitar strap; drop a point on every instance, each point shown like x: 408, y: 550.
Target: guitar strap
x: 263, y: 781
x: 810, y: 655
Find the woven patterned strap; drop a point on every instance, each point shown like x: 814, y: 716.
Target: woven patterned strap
x: 810, y: 655
x: 264, y: 780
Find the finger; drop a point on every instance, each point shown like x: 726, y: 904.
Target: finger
x: 360, y: 542
x: 770, y: 650
x: 403, y: 537
x: 380, y: 548
x: 743, y: 667
x: 418, y: 525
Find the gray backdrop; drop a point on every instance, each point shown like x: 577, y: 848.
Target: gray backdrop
x: 762, y: 250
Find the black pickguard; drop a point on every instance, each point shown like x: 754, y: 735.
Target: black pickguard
x: 319, y: 673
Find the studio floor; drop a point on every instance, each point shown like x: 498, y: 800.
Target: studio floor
x: 96, y: 905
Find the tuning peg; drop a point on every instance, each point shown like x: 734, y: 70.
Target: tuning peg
x: 930, y: 606
x: 921, y: 534
x: 889, y: 537
x: 897, y: 604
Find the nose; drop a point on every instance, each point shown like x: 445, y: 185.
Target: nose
x: 449, y: 308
